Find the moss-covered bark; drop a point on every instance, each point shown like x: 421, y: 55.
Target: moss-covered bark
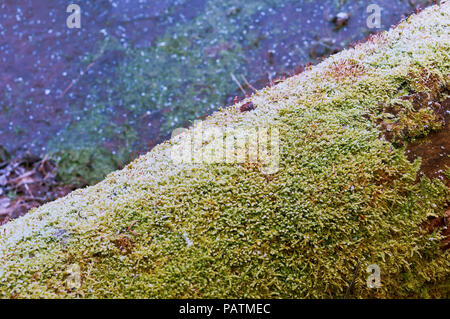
x: 343, y: 197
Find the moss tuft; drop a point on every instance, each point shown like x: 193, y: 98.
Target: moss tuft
x: 344, y: 198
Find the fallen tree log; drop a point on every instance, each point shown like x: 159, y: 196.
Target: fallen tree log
x: 330, y: 195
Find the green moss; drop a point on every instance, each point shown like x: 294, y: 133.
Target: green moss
x: 85, y: 166
x: 4, y: 155
x: 343, y: 198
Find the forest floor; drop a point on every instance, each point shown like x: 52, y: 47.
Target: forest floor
x: 71, y: 110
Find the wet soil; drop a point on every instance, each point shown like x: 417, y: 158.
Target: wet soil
x: 58, y: 88
x: 41, y: 58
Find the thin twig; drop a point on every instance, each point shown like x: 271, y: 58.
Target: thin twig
x: 74, y: 81
x: 353, y: 280
x: 28, y: 190
x: 270, y: 78
x: 32, y: 198
x: 129, y: 228
x: 13, y: 181
x: 237, y: 82
x: 246, y: 82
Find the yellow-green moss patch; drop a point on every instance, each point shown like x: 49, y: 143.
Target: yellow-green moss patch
x: 343, y: 198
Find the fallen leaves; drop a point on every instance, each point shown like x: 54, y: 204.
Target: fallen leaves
x: 26, y: 182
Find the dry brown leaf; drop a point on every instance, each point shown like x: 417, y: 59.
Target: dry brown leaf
x: 4, y: 202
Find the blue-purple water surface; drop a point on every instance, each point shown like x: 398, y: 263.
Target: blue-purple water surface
x: 137, y: 69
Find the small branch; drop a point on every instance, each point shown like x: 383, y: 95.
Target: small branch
x: 129, y: 228
x: 74, y: 81
x: 246, y: 82
x: 13, y: 181
x: 353, y: 281
x: 270, y: 78
x: 237, y: 82
x: 32, y: 198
